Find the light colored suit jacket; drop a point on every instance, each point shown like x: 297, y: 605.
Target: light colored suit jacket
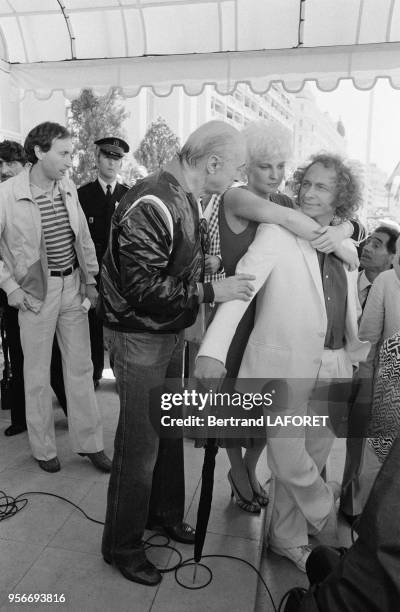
x: 288, y: 337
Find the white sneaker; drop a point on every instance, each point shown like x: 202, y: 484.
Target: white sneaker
x: 298, y: 555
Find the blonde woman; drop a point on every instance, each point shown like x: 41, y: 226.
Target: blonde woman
x: 269, y: 148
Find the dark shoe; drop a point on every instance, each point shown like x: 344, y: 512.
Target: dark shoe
x: 52, y: 465
x: 181, y: 532
x: 13, y: 430
x: 144, y: 573
x: 99, y: 460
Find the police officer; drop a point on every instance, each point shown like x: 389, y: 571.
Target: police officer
x: 99, y: 200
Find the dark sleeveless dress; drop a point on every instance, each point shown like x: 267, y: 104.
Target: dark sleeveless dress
x: 233, y: 247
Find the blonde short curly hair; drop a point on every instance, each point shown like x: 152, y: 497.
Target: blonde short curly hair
x: 267, y: 140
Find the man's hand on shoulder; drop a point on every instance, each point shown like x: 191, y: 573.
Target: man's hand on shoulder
x: 236, y: 287
x: 18, y: 299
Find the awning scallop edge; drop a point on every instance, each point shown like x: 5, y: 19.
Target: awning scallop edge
x: 326, y: 66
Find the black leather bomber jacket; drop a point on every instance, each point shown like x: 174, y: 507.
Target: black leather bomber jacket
x: 147, y: 282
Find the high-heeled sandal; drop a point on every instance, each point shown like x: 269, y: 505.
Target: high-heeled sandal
x: 260, y: 496
x: 248, y: 506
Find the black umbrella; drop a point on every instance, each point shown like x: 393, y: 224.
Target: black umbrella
x: 206, y: 493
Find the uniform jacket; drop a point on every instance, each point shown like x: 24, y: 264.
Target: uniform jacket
x: 288, y: 337
x: 154, y: 259
x: 98, y: 214
x: 23, y: 253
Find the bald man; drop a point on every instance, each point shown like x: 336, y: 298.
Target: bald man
x: 151, y: 287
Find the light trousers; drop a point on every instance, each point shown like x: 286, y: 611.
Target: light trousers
x: 62, y: 314
x: 301, y: 496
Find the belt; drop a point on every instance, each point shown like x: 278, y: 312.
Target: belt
x: 65, y: 272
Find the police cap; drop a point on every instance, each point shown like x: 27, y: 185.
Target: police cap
x: 112, y: 146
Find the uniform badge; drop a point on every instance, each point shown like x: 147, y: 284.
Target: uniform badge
x: 91, y: 220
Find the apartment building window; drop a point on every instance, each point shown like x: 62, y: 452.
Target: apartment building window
x: 229, y: 113
x: 219, y: 107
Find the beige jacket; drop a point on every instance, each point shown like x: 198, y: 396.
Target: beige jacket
x: 23, y: 254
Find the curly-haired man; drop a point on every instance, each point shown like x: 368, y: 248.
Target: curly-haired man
x: 305, y: 328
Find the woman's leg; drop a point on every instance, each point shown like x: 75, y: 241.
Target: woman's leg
x: 251, y: 458
x: 239, y: 472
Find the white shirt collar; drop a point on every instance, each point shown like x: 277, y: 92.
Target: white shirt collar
x: 104, y: 185
x: 363, y: 281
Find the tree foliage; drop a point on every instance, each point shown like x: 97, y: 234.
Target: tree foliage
x: 93, y: 117
x: 158, y: 146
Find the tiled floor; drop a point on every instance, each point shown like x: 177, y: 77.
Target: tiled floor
x: 49, y: 547
x: 281, y: 575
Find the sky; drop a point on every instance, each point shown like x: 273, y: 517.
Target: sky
x: 351, y: 106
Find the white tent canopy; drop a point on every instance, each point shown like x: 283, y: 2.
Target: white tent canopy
x: 49, y: 45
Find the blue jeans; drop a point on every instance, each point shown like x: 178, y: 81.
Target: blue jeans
x: 147, y: 477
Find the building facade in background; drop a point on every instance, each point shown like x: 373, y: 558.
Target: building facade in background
x: 392, y: 187
x: 313, y: 131
x: 376, y: 208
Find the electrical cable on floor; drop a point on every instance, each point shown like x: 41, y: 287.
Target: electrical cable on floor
x: 10, y: 506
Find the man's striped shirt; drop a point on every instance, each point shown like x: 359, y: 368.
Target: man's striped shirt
x: 58, y: 235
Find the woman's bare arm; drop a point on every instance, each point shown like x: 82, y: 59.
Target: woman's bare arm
x: 245, y: 204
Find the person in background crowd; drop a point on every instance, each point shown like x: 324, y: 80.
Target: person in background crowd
x: 151, y: 287
x: 12, y: 159
x: 305, y: 328
x: 380, y: 322
x: 12, y: 162
x: 377, y: 256
x: 99, y: 200
x: 47, y: 269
